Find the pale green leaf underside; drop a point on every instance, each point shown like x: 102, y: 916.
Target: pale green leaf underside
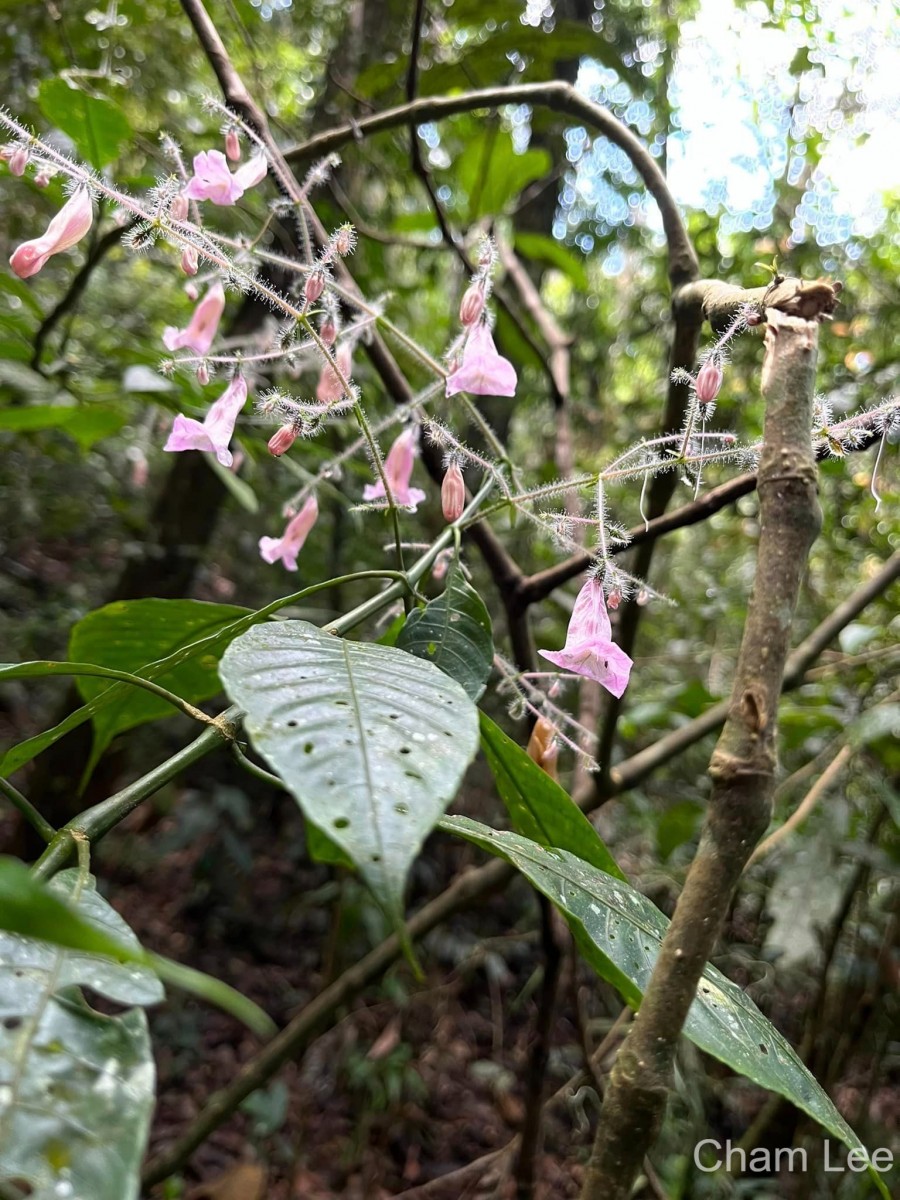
x: 628, y: 929
x: 76, y: 1087
x: 372, y: 742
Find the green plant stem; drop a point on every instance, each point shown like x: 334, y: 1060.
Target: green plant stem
x: 42, y: 827
x: 94, y: 822
x: 46, y: 667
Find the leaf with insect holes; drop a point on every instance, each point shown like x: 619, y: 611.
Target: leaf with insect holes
x: 372, y: 742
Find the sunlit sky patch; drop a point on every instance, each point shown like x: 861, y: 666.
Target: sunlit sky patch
x: 740, y: 123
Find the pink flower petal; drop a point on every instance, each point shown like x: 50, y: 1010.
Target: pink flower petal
x: 289, y: 545
x: 482, y: 372
x: 589, y: 650
x: 69, y: 226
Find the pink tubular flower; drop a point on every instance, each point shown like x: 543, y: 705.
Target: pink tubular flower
x: 216, y: 430
x: 398, y: 467
x: 483, y: 372
x: 252, y: 172
x: 589, y: 650
x: 329, y: 388
x: 289, y: 545
x: 212, y: 180
x: 69, y: 226
x: 203, y: 324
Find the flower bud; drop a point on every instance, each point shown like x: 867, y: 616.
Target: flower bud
x: 203, y: 374
x: 282, y: 440
x: 453, y: 493
x: 709, y: 380
x: 314, y: 286
x: 542, y: 747
x: 191, y: 291
x: 179, y: 208
x: 328, y: 332
x: 614, y: 599
x: 189, y: 260
x: 18, y: 160
x: 41, y: 179
x: 472, y: 304
x: 233, y: 145
x: 344, y: 241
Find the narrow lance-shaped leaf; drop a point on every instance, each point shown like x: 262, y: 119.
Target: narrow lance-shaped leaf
x: 372, y: 742
x: 627, y: 929
x: 539, y: 808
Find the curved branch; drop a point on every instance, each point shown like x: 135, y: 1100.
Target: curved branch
x: 558, y: 97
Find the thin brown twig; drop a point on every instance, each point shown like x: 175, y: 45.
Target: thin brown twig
x: 805, y: 807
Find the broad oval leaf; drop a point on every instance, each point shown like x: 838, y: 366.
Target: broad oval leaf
x: 76, y: 1087
x: 627, y: 929
x: 372, y: 742
x: 454, y: 632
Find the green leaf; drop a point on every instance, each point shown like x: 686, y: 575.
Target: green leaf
x: 550, y: 252
x: 539, y: 808
x: 84, y: 423
x: 492, y: 173
x: 323, y: 850
x: 97, y: 126
x: 76, y: 1087
x: 129, y: 634
x: 239, y: 488
x: 454, y: 632
x: 372, y: 742
x: 627, y: 929
x: 34, y: 911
